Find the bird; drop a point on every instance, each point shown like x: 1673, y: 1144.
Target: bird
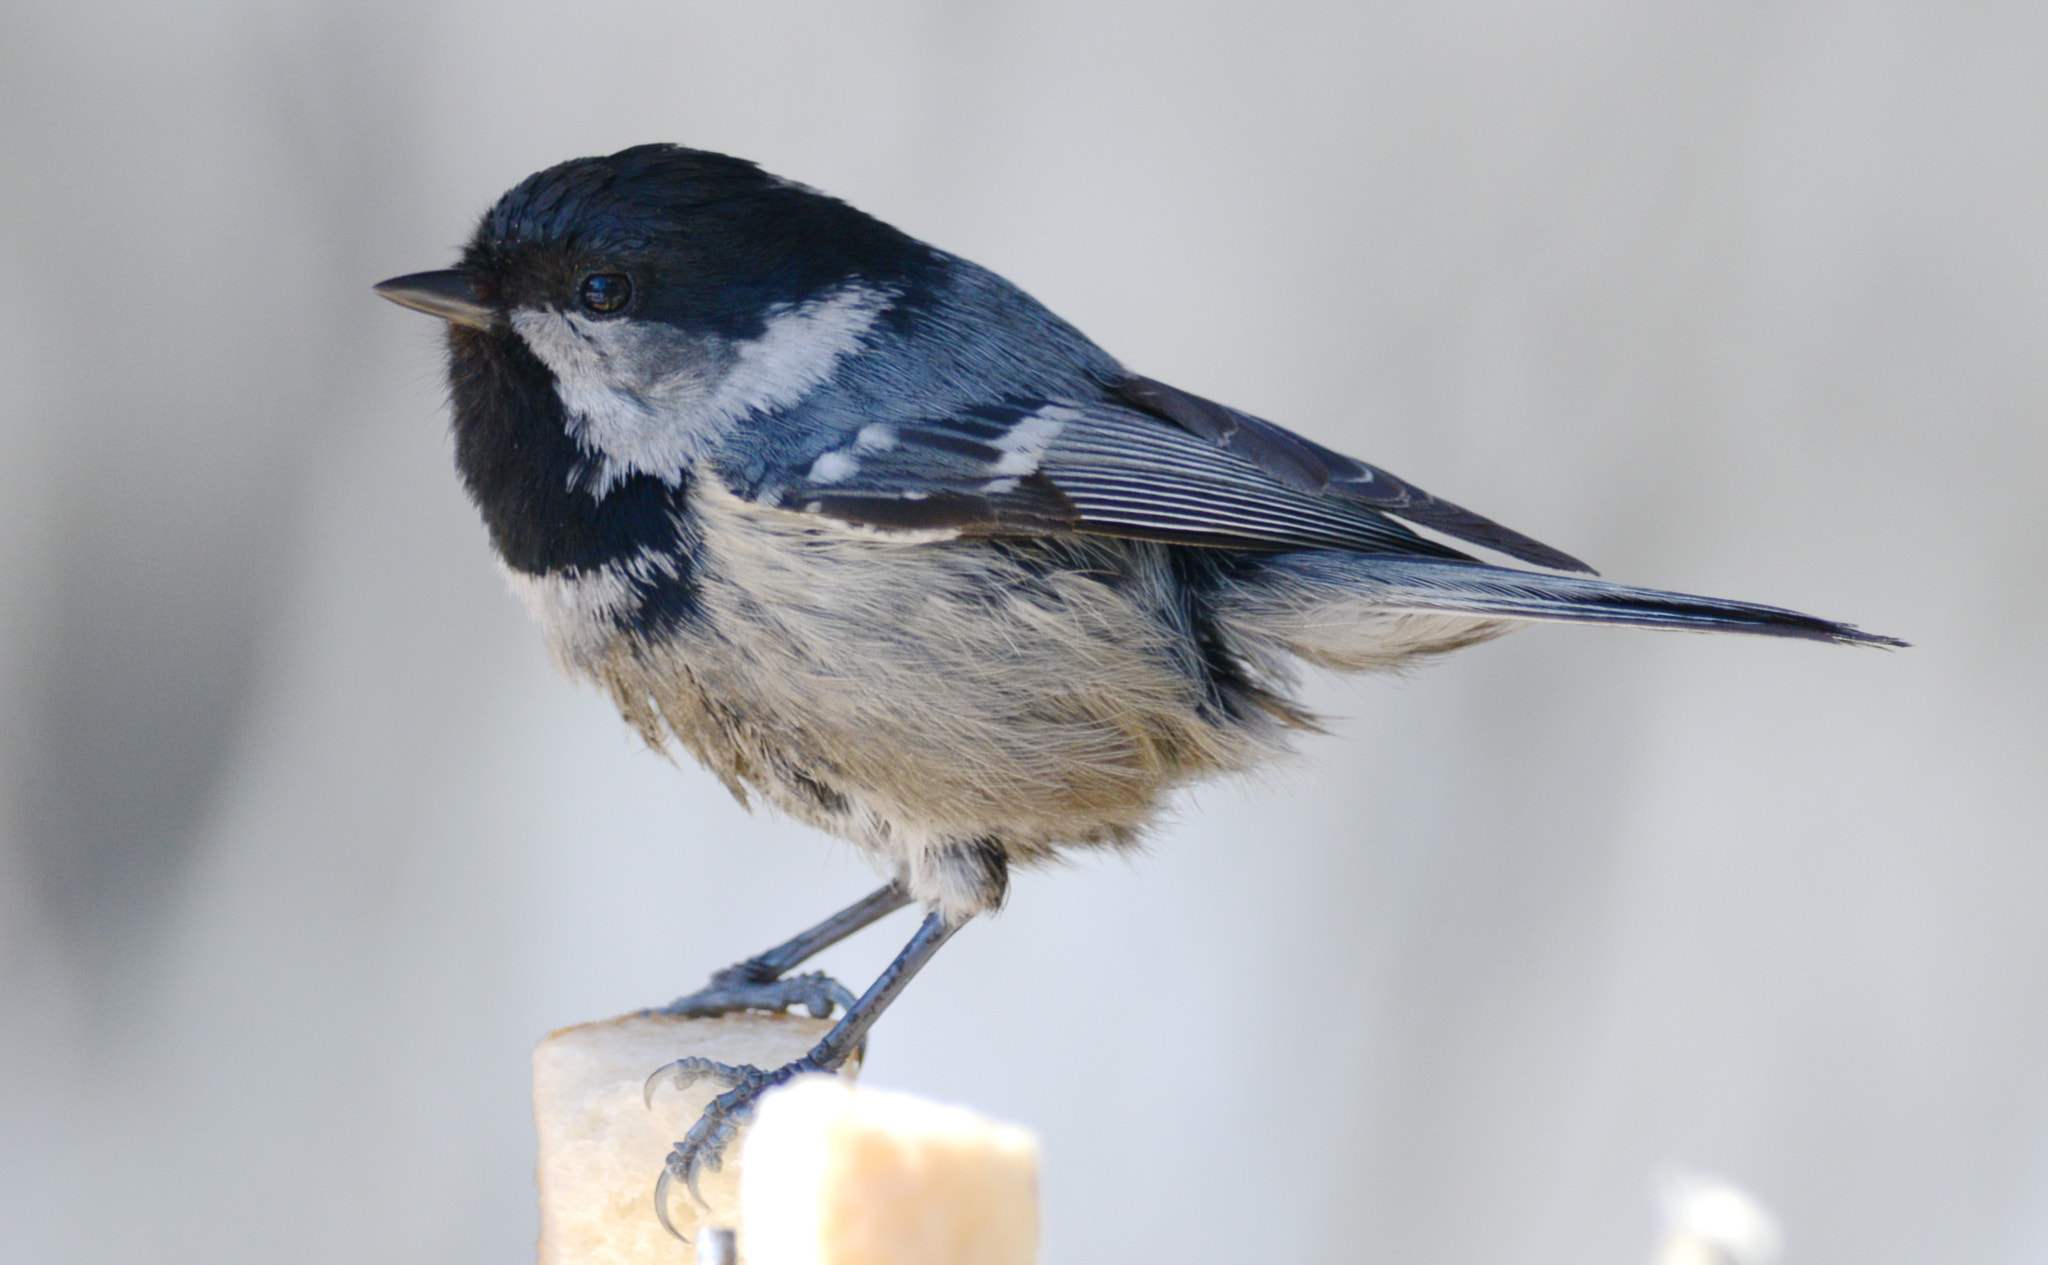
x: 884, y: 543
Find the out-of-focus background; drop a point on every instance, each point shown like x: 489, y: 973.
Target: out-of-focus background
x: 302, y: 844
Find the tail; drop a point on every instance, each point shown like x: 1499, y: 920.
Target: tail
x: 1355, y: 611
x: 1464, y: 588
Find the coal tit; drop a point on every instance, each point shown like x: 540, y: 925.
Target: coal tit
x: 878, y: 538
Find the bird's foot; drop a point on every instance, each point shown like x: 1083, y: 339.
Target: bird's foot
x: 702, y: 1149
x: 751, y: 986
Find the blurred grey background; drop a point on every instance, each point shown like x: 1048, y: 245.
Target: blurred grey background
x: 302, y: 844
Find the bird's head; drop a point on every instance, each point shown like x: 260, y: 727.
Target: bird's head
x: 665, y: 294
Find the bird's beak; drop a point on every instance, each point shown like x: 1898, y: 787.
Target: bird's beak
x: 450, y: 294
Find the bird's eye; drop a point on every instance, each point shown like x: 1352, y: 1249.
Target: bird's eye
x: 606, y: 292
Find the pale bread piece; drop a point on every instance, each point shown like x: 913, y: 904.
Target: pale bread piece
x: 833, y: 1175
x: 601, y: 1148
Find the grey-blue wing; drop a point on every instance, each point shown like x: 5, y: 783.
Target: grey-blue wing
x: 1306, y: 465
x: 1140, y: 460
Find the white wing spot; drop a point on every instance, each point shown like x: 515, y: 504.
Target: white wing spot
x: 833, y: 467
x: 1023, y: 445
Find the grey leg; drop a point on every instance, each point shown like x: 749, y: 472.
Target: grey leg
x: 757, y: 983
x: 702, y: 1149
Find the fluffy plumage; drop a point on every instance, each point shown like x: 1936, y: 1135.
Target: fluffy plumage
x: 873, y: 534
x: 870, y: 532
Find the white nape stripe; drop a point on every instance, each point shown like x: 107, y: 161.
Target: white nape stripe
x: 798, y: 351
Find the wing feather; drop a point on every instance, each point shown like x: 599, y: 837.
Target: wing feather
x: 1308, y: 466
x: 1141, y: 460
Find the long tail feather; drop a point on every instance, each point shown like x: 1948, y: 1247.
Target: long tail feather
x: 1466, y: 588
x: 1354, y: 610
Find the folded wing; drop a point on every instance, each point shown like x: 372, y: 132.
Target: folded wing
x: 1141, y: 460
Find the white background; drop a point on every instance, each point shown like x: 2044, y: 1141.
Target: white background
x: 302, y: 845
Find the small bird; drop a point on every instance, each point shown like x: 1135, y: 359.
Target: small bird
x: 878, y: 538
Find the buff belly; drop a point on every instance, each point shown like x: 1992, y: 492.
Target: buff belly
x: 863, y: 684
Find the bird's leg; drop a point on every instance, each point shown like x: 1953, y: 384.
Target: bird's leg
x: 758, y: 983
x: 702, y: 1149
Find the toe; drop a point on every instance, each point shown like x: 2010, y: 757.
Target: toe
x: 688, y: 1072
x: 822, y: 994
x: 702, y: 1149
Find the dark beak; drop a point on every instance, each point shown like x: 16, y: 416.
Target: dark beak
x: 449, y: 294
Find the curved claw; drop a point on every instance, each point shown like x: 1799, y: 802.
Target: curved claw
x: 661, y: 1187
x: 691, y: 1181
x: 702, y: 1149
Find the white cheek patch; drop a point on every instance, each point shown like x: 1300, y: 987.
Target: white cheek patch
x: 647, y: 398
x: 636, y: 395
